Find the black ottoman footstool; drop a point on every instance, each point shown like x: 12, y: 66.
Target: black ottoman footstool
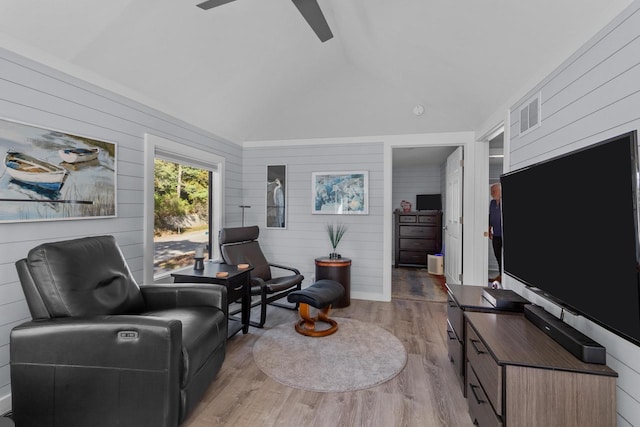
x: 321, y: 295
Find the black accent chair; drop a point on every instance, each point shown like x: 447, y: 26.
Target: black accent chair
x: 240, y: 245
x: 103, y: 351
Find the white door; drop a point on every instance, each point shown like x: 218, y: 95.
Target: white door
x: 452, y: 228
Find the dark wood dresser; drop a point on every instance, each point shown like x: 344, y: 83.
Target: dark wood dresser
x: 417, y: 234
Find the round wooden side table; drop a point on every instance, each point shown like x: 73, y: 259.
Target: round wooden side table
x: 338, y: 269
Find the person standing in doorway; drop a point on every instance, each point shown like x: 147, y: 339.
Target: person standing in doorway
x: 495, y: 226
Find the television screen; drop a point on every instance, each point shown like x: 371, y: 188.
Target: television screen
x: 428, y: 202
x: 570, y: 228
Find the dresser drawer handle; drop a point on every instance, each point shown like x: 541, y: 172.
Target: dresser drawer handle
x: 238, y: 288
x: 475, y: 347
x: 450, y: 333
x: 473, y: 390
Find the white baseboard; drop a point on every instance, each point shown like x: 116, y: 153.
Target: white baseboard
x: 5, y: 404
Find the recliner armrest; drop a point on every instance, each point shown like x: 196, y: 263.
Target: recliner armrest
x: 123, y: 369
x: 121, y: 342
x: 284, y: 267
x: 164, y: 296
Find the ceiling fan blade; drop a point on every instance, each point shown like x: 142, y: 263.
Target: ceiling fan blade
x: 312, y: 13
x: 209, y: 4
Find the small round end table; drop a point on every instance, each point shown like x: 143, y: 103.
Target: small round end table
x: 338, y: 269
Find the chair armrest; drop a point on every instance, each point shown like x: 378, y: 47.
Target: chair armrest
x: 172, y: 295
x: 118, y: 342
x: 284, y: 267
x: 258, y: 281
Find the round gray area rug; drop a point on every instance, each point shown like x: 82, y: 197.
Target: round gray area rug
x: 357, y: 356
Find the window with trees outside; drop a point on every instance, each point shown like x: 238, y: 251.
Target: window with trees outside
x: 183, y: 206
x: 182, y: 223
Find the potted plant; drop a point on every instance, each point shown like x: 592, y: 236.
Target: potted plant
x: 335, y: 235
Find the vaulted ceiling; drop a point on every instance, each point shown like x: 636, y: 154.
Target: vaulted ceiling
x: 254, y: 70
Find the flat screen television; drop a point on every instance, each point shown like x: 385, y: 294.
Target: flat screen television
x: 428, y: 202
x: 570, y: 229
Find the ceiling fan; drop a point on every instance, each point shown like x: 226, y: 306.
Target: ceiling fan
x: 309, y: 9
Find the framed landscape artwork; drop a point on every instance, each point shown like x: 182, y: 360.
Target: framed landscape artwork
x: 276, y: 196
x: 340, y: 193
x: 52, y: 175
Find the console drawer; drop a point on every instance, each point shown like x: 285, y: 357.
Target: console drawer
x: 480, y: 410
x: 488, y: 372
x: 455, y: 316
x: 456, y: 355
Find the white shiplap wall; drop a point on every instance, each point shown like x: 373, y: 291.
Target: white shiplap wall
x: 592, y: 96
x: 305, y: 237
x: 409, y: 181
x: 36, y: 94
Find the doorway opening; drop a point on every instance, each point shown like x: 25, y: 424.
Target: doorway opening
x: 418, y: 171
x: 496, y: 168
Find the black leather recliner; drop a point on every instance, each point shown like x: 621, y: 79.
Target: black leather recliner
x: 102, y: 351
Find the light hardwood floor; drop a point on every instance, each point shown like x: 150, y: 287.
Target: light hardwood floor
x: 417, y: 284
x: 425, y: 393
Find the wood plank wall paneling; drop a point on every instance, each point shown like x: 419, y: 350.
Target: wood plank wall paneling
x: 410, y: 181
x: 35, y: 94
x: 305, y: 237
x: 593, y: 95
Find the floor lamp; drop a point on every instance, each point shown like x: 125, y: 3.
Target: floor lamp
x: 243, y: 208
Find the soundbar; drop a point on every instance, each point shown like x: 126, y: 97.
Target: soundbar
x: 574, y: 341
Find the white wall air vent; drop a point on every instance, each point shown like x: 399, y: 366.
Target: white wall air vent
x: 530, y: 115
